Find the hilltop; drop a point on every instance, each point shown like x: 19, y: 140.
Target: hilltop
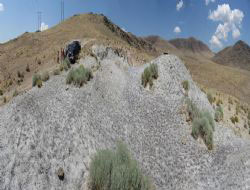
x: 192, y: 45
x: 39, y: 50
x: 237, y: 56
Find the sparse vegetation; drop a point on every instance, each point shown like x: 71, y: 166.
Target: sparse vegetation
x: 27, y: 68
x: 192, y: 109
x: 116, y: 170
x: 39, y: 62
x: 36, y: 77
x: 56, y: 72
x: 15, y: 93
x: 219, y: 114
x: 219, y: 102
x: 185, y: 85
x: 202, y: 124
x: 39, y: 83
x: 79, y: 76
x: 45, y: 76
x: 234, y: 119
x: 4, y: 99
x: 65, y: 65
x: 210, y: 98
x: 204, y: 127
x: 230, y: 101
x: 150, y: 73
x: 237, y: 110
x: 20, y: 75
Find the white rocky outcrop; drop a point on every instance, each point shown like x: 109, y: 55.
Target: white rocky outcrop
x: 61, y: 126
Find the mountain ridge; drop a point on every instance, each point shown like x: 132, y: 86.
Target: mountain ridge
x: 237, y: 56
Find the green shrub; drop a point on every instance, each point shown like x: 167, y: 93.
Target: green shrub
x: 15, y: 93
x: 65, y: 65
x: 45, y: 76
x: 1, y: 92
x: 204, y: 127
x: 4, y: 99
x: 234, y: 119
x: 209, y: 117
x: 192, y: 109
x: 210, y: 98
x: 150, y: 73
x: 39, y: 83
x: 219, y: 114
x: 219, y: 102
x: 35, y: 79
x: 20, y: 75
x: 56, y: 72
x: 79, y: 76
x: 27, y: 68
x: 113, y: 170
x: 185, y: 85
x: 248, y: 115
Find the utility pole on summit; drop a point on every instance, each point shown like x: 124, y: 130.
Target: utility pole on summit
x: 62, y: 10
x: 39, y: 20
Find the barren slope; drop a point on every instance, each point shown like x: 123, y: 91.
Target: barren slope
x: 62, y: 126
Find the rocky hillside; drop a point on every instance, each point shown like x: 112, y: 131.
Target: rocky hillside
x: 62, y: 126
x: 39, y: 50
x: 235, y: 56
x: 192, y: 45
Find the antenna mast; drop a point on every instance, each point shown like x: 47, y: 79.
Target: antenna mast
x: 39, y: 20
x: 62, y: 10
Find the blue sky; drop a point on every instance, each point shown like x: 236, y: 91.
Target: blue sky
x: 167, y: 18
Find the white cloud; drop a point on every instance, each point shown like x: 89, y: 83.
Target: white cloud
x: 1, y: 7
x: 236, y: 33
x: 44, y: 26
x: 208, y: 1
x: 177, y: 30
x: 179, y: 5
x: 230, y: 21
x: 215, y: 42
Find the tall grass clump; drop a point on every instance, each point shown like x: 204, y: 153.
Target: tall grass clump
x: 36, y: 79
x: 204, y: 128
x: 219, y: 114
x: 150, y: 73
x: 79, y: 76
x: 65, y: 65
x: 185, y: 85
x: 45, y: 76
x: 210, y: 98
x: 113, y: 170
x: 202, y: 124
x: 192, y: 109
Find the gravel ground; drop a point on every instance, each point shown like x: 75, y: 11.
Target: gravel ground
x: 63, y: 126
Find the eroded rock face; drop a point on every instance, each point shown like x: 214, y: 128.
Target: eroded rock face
x: 48, y: 128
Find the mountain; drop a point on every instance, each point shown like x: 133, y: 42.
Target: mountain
x: 192, y: 45
x: 160, y: 44
x: 235, y: 56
